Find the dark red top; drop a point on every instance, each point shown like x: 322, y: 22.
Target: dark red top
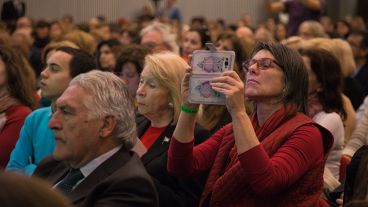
x: 287, y: 166
x: 15, y: 116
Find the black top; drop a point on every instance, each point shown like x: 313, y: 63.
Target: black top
x: 173, y: 191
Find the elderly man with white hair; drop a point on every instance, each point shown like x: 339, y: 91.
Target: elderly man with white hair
x: 94, y: 126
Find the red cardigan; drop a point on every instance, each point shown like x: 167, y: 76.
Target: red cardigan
x: 15, y: 116
x: 286, y: 169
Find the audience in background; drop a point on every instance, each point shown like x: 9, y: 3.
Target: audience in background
x: 347, y: 65
x: 169, y: 12
x: 106, y: 54
x: 299, y: 11
x: 194, y: 39
x: 342, y: 29
x: 16, y: 99
x: 130, y: 64
x: 57, y: 30
x: 83, y: 40
x: 325, y: 106
x: 157, y: 37
x: 358, y: 41
x: 311, y: 29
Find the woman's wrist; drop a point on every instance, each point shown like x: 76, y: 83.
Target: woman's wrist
x: 192, y: 109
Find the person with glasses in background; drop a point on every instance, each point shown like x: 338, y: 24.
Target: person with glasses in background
x: 276, y: 156
x: 158, y: 38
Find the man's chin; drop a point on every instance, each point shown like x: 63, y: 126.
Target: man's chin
x: 58, y: 155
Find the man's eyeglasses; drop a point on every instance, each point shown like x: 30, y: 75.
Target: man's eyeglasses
x: 262, y: 63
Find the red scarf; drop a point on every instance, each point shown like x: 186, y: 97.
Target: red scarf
x: 273, y: 122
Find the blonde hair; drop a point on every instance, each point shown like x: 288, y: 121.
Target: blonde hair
x: 168, y: 69
x: 315, y: 28
x: 293, y: 42
x: 337, y: 47
x: 348, y: 65
x: 83, y: 40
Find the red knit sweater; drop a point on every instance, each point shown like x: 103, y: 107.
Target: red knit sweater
x: 286, y: 169
x: 15, y: 116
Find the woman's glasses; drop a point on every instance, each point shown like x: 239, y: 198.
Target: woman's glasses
x: 262, y: 63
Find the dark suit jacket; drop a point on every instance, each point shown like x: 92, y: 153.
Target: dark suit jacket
x: 119, y: 181
x: 362, y: 77
x: 353, y: 91
x: 173, y: 192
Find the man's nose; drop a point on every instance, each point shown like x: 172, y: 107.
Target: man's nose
x: 54, y: 123
x: 44, y: 73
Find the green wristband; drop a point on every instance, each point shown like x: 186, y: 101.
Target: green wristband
x: 188, y: 110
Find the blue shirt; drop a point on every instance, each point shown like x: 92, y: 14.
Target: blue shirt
x: 36, y: 141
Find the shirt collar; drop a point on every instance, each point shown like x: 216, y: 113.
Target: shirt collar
x: 93, y: 164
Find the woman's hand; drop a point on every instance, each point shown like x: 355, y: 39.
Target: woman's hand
x: 230, y: 84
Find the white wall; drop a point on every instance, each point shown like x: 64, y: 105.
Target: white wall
x: 82, y: 10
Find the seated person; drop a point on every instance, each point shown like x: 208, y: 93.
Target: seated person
x: 16, y: 99
x: 36, y: 140
x: 94, y: 131
x: 158, y: 100
x: 275, y: 157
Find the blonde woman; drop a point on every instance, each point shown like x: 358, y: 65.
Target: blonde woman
x: 159, y: 101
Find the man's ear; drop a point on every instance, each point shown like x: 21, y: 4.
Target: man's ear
x: 108, y: 125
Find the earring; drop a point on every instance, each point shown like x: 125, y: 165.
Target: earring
x: 171, y: 105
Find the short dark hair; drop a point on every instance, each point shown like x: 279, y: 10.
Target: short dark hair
x: 81, y: 61
x: 203, y: 33
x: 364, y: 35
x: 132, y: 53
x: 295, y: 74
x: 328, y: 72
x: 113, y: 44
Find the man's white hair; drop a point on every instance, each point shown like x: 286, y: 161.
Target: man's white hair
x: 169, y: 39
x: 109, y: 96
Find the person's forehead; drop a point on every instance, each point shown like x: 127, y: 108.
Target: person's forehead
x: 105, y: 47
x: 146, y: 72
x: 193, y: 35
x: 73, y: 96
x: 263, y: 54
x: 152, y: 36
x: 59, y: 57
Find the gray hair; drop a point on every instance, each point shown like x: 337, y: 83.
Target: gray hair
x: 109, y: 96
x: 168, y: 38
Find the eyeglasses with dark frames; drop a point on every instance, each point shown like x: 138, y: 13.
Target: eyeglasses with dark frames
x: 262, y: 63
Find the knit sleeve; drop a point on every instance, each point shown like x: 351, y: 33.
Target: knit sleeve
x: 267, y: 175
x: 186, y: 160
x: 10, y: 133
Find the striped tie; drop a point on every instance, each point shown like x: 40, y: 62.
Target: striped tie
x: 70, y: 180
